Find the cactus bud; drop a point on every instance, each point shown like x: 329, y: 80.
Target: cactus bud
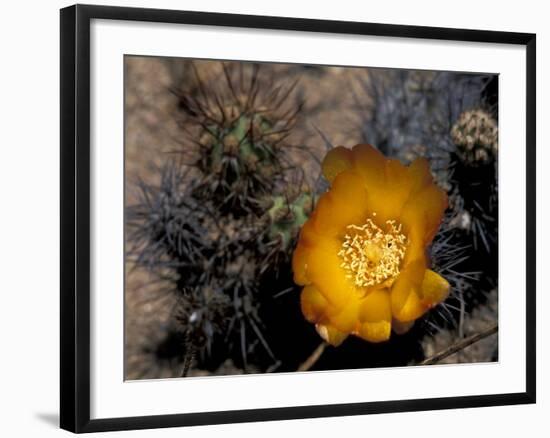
x: 475, y: 135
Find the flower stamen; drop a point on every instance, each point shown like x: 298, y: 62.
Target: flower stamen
x: 371, y: 255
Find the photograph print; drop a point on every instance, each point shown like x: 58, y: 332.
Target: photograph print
x: 297, y: 218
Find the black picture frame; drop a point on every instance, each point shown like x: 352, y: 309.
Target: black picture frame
x: 75, y: 217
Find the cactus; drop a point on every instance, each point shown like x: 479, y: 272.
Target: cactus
x: 216, y: 226
x: 416, y: 109
x: 287, y: 216
x: 241, y: 131
x: 475, y: 135
x: 474, y: 178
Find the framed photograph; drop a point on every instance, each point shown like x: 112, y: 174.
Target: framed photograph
x: 268, y: 218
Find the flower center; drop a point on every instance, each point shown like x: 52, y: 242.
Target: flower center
x: 371, y: 255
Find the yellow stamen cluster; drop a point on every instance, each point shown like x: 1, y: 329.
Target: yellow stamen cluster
x: 371, y: 255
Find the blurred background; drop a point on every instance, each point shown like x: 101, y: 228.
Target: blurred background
x: 222, y: 168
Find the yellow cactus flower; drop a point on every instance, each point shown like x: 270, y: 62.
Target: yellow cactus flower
x: 362, y: 254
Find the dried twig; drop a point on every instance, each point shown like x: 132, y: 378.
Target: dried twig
x: 460, y: 345
x: 313, y: 357
x: 189, y: 356
x: 455, y: 348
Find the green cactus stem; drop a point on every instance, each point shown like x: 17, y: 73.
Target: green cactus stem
x: 286, y: 217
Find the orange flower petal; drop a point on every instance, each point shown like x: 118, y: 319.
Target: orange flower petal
x: 416, y: 249
x: 405, y: 300
x: 388, y: 182
x: 313, y: 304
x: 412, y: 309
x: 435, y: 288
x: 299, y: 265
x: 331, y: 335
x: 346, y: 319
x: 423, y: 213
x: 324, y: 270
x: 308, y: 241
x: 388, y: 201
x: 370, y: 164
x: 420, y: 175
x: 375, y: 316
x: 344, y: 204
x: 376, y: 306
x: 336, y: 161
x: 309, y: 237
x: 375, y: 331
